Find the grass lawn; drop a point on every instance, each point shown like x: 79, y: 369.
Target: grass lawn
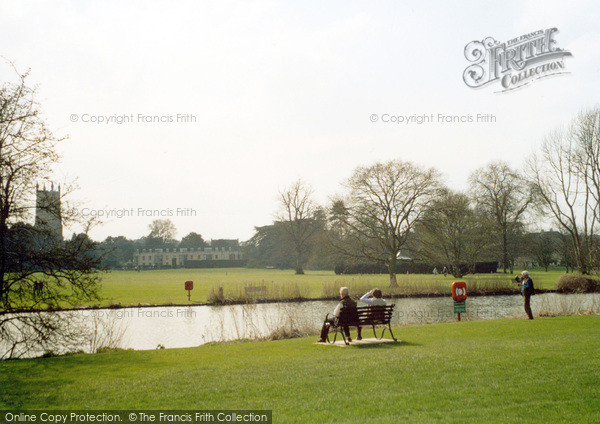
x: 546, y: 370
x: 166, y: 286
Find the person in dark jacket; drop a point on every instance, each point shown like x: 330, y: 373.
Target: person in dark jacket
x: 345, y: 303
x: 526, y: 292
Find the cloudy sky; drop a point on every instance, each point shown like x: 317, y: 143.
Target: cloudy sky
x: 276, y: 91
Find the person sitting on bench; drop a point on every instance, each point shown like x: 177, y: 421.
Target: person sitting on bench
x: 372, y: 298
x: 345, y: 302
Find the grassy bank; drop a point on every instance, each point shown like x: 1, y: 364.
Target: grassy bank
x: 166, y: 286
x: 546, y: 370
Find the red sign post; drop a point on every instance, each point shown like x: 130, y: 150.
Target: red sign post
x: 459, y: 294
x: 189, y: 286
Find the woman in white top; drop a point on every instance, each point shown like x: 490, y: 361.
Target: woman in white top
x: 372, y: 298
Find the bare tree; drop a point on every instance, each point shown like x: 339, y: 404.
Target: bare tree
x: 504, y: 196
x: 38, y: 270
x: 561, y: 177
x: 384, y: 203
x: 297, y: 216
x: 451, y: 233
x: 586, y: 129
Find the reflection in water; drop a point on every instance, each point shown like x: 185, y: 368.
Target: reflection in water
x: 172, y: 327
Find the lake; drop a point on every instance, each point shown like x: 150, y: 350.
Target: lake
x: 179, y: 326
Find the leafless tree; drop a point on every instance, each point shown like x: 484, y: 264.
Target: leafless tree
x: 38, y: 270
x: 586, y: 129
x: 297, y: 215
x: 564, y: 175
x: 503, y: 195
x: 384, y: 203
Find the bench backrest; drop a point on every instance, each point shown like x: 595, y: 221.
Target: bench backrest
x: 366, y: 315
x: 375, y: 314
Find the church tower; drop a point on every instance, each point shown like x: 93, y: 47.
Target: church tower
x: 47, y: 211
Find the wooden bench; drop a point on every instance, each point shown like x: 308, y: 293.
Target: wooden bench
x: 364, y: 316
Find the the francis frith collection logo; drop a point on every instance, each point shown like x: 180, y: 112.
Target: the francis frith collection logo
x: 516, y: 62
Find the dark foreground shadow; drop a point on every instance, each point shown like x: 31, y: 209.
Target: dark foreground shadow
x: 386, y: 345
x: 371, y: 344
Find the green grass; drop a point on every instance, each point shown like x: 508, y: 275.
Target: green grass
x: 540, y: 371
x: 166, y: 286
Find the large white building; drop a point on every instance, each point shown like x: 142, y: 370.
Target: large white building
x: 178, y: 256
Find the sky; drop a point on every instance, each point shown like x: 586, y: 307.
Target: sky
x: 256, y: 94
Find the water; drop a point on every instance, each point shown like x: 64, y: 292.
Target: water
x: 173, y: 327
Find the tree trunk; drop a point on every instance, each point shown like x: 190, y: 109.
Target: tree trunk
x: 393, y: 280
x: 3, y: 235
x: 392, y: 269
x: 581, y: 261
x: 504, y: 250
x: 456, y: 272
x: 299, y: 267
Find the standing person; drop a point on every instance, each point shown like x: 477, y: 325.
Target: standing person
x: 372, y: 298
x: 445, y: 271
x: 345, y: 303
x: 435, y: 271
x: 526, y: 291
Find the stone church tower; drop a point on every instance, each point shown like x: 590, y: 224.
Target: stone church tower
x: 47, y: 211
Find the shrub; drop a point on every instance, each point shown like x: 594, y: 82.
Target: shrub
x: 216, y: 295
x: 108, y: 349
x: 577, y: 283
x: 52, y: 354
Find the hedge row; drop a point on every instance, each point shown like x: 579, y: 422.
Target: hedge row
x: 412, y: 267
x: 216, y: 263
